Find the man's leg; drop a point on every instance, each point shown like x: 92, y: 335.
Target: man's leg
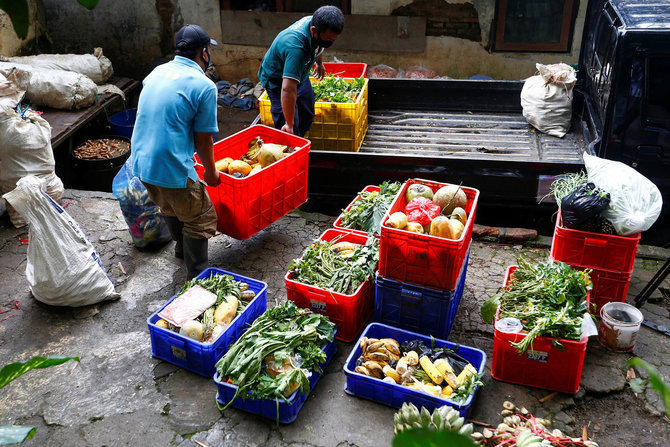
x: 198, y: 215
x: 304, y: 108
x: 175, y: 228
x: 172, y: 222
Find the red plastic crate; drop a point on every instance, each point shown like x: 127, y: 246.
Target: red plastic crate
x: 338, y: 222
x: 543, y: 366
x: 607, y: 287
x: 594, y: 250
x: 346, y: 69
x: 348, y: 312
x: 423, y: 259
x: 245, y: 206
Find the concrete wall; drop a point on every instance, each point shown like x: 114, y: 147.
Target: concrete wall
x: 134, y: 34
x: 448, y: 56
x: 137, y: 34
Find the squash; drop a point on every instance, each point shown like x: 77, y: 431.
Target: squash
x: 459, y: 213
x: 193, y: 329
x: 414, y: 227
x: 456, y: 229
x: 440, y: 227
x: 418, y: 190
x: 239, y: 166
x: 449, y: 197
x: 225, y: 312
x: 397, y: 220
x: 222, y: 165
x: 255, y: 169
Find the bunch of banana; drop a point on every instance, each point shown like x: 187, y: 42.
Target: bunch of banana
x: 376, y: 358
x: 524, y: 430
x: 443, y: 418
x: 346, y: 250
x: 251, y: 157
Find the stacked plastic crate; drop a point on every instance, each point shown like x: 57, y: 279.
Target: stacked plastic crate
x: 421, y: 277
x: 610, y: 258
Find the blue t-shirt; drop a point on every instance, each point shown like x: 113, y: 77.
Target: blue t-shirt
x: 291, y: 55
x: 177, y: 100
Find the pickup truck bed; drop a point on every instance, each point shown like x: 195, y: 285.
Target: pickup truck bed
x: 454, y: 131
x: 482, y: 136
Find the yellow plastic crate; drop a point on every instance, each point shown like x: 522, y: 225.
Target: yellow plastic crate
x: 336, y: 126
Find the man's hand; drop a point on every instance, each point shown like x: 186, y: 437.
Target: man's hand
x: 286, y: 128
x: 320, y: 70
x: 212, y: 177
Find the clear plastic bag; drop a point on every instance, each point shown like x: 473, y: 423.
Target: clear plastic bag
x: 145, y: 223
x: 635, y: 201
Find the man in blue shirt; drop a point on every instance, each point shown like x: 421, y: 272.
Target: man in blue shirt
x: 176, y: 116
x: 284, y: 71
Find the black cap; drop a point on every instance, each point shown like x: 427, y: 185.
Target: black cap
x: 192, y: 37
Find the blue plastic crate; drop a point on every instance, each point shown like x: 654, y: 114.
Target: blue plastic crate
x: 193, y: 355
x: 421, y: 309
x: 395, y: 395
x: 285, y: 412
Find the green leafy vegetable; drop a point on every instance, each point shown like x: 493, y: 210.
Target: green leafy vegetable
x: 336, y: 89
x: 549, y: 299
x: 366, y: 213
x: 468, y: 387
x: 284, y: 331
x: 321, y: 266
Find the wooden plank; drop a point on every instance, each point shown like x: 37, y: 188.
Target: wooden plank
x: 64, y: 123
x: 361, y: 32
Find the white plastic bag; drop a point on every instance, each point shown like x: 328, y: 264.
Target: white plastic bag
x: 546, y: 98
x: 96, y: 66
x: 25, y: 149
x: 63, y: 267
x: 635, y: 201
x: 59, y: 89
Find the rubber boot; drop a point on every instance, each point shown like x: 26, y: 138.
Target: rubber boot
x: 175, y: 227
x: 195, y: 256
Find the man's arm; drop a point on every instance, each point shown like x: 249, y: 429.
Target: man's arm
x: 204, y: 145
x: 289, y: 96
x: 320, y: 69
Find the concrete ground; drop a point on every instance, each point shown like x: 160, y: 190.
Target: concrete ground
x: 118, y: 395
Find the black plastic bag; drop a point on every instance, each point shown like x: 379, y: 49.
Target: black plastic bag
x: 582, y: 207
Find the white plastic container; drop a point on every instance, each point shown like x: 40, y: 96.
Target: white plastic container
x: 619, y: 325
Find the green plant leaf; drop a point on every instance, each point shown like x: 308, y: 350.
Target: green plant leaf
x: 489, y: 309
x: 90, y: 4
x: 14, y: 370
x: 637, y: 385
x: 423, y: 437
x: 655, y: 380
x: 16, y: 434
x: 19, y: 14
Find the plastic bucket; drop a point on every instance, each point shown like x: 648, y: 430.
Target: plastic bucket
x: 122, y: 123
x: 619, y: 325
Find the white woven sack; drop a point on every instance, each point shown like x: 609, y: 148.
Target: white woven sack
x: 96, y: 66
x: 58, y: 89
x: 546, y: 99
x: 25, y: 149
x: 63, y: 267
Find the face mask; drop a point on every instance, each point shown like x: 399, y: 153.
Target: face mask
x: 322, y: 43
x: 209, y: 59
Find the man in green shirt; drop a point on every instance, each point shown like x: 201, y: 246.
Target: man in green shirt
x: 285, y: 68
